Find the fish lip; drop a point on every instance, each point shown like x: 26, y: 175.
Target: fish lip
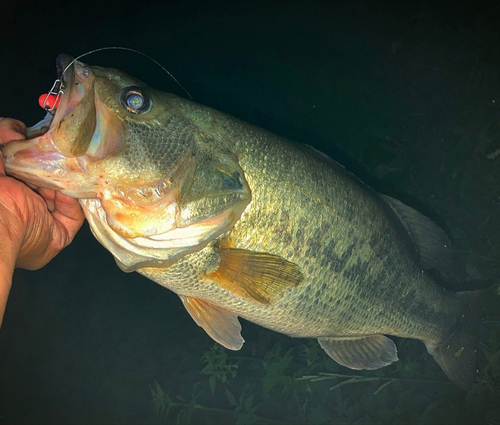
x: 65, y: 85
x: 60, y: 87
x: 21, y: 157
x: 62, y: 61
x: 51, y: 119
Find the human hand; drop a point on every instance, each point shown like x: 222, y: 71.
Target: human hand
x: 36, y: 226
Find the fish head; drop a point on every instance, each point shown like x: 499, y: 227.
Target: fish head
x: 105, y: 132
x: 153, y: 184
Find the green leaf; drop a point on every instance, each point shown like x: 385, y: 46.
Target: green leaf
x: 159, y: 390
x: 212, y: 380
x: 230, y: 397
x: 248, y: 403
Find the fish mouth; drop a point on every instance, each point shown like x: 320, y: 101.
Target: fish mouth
x: 65, y: 76
x: 62, y: 62
x: 37, y: 160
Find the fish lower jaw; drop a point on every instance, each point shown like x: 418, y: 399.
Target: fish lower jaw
x: 64, y: 185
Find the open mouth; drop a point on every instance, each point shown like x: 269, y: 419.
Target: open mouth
x: 42, y: 160
x: 65, y: 77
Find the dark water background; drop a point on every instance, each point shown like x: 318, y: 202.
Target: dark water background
x: 406, y: 94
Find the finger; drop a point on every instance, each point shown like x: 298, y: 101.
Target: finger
x: 68, y: 213
x: 11, y: 129
x: 2, y: 167
x: 49, y: 195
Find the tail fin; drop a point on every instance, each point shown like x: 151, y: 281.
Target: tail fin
x: 457, y: 354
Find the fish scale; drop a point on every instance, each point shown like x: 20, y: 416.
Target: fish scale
x: 240, y: 222
x: 298, y: 315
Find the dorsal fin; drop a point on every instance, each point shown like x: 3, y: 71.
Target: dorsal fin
x: 433, y: 246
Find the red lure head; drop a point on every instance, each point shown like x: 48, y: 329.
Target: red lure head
x: 48, y: 101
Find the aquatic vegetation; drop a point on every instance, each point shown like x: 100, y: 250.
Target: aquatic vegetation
x: 241, y: 410
x: 484, y: 395
x: 161, y: 401
x: 217, y: 366
x: 275, y: 365
x: 273, y: 384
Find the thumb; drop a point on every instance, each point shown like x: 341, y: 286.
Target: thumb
x: 2, y: 168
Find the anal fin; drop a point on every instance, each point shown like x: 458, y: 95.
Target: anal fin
x: 223, y: 326
x: 370, y: 352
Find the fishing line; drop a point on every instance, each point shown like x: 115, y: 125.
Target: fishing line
x: 129, y: 50
x: 51, y: 99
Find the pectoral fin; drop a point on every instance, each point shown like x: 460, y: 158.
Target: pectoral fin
x: 371, y: 352
x: 257, y: 276
x: 220, y: 324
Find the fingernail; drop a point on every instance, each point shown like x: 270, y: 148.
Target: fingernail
x: 20, y: 136
x: 50, y: 205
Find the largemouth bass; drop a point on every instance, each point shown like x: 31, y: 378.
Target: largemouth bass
x: 242, y: 223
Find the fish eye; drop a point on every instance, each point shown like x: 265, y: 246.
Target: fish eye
x: 135, y: 100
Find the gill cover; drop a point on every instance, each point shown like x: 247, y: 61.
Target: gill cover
x: 203, y: 200
x: 152, y: 184
x: 167, y: 188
